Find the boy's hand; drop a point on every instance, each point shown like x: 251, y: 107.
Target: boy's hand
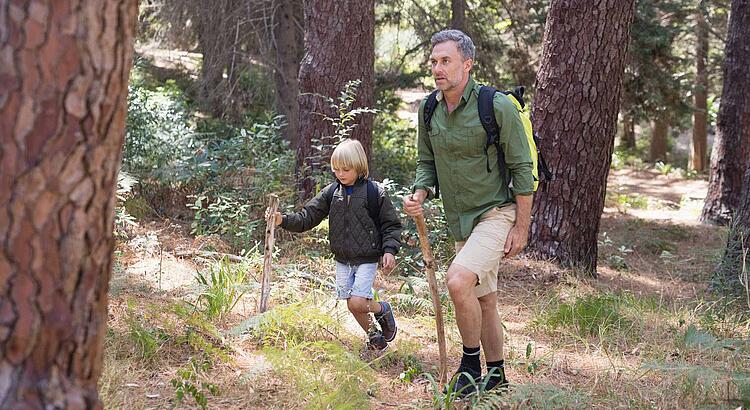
x: 277, y: 218
x: 389, y: 262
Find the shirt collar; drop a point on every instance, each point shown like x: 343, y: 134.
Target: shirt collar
x: 467, y: 91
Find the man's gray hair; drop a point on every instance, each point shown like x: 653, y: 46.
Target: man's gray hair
x: 465, y: 45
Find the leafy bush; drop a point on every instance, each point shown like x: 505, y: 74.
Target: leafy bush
x: 158, y: 134
x: 394, y: 149
x: 192, y: 380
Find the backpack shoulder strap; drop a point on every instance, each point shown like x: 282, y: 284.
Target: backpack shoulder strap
x: 489, y: 123
x: 328, y: 193
x: 373, y: 202
x: 487, y: 113
x: 429, y: 109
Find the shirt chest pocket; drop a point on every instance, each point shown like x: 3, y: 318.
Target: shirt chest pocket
x: 474, y: 140
x: 465, y: 142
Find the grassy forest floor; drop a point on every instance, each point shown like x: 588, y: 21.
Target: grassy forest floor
x: 644, y: 334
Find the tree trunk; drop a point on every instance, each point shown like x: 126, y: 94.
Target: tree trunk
x: 63, y: 76
x: 736, y: 260
x: 575, y: 112
x: 458, y: 15
x: 216, y: 28
x: 730, y: 156
x: 658, y: 148
x: 698, y: 157
x: 288, y: 49
x: 628, y: 132
x: 339, y: 47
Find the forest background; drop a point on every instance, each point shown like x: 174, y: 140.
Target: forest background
x: 633, y: 292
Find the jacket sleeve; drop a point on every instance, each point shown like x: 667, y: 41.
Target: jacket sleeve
x: 310, y: 216
x: 390, y: 224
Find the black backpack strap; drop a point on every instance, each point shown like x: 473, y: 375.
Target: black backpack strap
x: 489, y: 123
x: 429, y: 109
x: 373, y: 203
x: 518, y: 94
x: 328, y: 193
x: 542, y: 164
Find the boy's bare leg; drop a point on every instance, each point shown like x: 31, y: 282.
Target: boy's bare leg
x: 361, y: 308
x: 492, y: 331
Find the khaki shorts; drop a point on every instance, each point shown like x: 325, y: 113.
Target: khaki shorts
x: 481, y: 253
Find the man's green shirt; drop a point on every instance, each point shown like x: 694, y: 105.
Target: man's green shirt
x: 453, y: 153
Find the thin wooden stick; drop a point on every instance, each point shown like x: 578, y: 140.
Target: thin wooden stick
x: 429, y: 267
x: 265, y: 287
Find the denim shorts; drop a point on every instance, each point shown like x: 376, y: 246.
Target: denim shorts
x: 355, y: 280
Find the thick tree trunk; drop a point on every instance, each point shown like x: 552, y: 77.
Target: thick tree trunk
x: 288, y: 37
x: 458, y: 15
x: 575, y: 112
x: 730, y: 156
x: 698, y: 157
x: 339, y: 47
x: 628, y: 132
x: 63, y: 88
x: 658, y: 149
x: 735, y: 263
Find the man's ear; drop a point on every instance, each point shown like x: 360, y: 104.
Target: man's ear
x: 468, y: 64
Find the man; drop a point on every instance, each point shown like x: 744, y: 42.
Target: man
x: 488, y: 216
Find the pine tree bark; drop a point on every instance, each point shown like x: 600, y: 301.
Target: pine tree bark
x: 458, y: 15
x: 64, y: 69
x: 730, y: 156
x: 339, y: 47
x: 575, y: 112
x: 734, y: 269
x: 658, y: 149
x: 698, y: 153
x: 288, y: 37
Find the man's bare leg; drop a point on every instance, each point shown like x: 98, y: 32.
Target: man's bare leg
x: 461, y: 283
x: 492, y: 330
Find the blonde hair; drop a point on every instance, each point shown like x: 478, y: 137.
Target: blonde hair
x: 351, y: 154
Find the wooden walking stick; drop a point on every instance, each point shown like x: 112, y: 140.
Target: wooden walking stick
x: 265, y: 288
x: 429, y: 267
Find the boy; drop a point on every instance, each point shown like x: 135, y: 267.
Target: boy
x: 357, y: 240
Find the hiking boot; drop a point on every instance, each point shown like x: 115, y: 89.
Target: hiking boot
x: 466, y: 381
x: 496, y: 379
x: 387, y: 322
x: 376, y: 341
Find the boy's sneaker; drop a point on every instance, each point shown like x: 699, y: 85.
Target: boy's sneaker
x: 387, y: 322
x: 466, y: 381
x: 496, y: 379
x: 376, y: 342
